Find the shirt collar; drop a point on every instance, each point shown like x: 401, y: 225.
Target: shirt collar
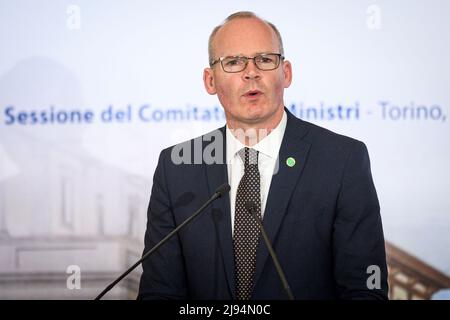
x: 269, y: 145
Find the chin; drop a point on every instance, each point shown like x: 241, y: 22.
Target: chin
x: 251, y: 113
x: 254, y: 117
x: 255, y: 110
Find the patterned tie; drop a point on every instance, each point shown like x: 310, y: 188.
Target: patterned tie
x: 246, y: 230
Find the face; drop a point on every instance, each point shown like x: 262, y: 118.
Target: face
x: 252, y: 97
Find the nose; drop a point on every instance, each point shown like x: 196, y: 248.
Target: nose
x: 251, y: 72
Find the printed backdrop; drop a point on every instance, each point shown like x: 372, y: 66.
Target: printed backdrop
x: 91, y: 91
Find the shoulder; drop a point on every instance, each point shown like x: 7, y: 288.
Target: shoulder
x: 326, y: 147
x: 321, y: 138
x: 194, y: 151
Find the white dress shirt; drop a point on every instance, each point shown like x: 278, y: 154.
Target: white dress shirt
x: 268, y: 148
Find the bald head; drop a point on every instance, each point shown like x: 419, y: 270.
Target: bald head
x: 232, y: 22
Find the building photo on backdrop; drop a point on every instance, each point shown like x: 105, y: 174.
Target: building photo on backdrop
x: 92, y: 92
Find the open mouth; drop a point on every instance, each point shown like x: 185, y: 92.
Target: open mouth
x: 252, y: 93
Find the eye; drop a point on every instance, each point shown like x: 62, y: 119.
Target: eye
x: 265, y: 59
x: 230, y: 62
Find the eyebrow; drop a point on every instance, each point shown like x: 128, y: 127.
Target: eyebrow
x: 242, y: 55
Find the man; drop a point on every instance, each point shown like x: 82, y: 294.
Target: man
x: 312, y: 188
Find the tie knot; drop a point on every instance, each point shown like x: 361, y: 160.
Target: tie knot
x: 249, y: 156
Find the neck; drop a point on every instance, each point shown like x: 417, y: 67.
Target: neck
x: 250, y: 133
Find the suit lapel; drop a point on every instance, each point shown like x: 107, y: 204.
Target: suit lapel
x: 282, y: 185
x: 281, y: 188
x: 217, y: 174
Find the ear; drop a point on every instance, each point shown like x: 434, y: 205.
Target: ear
x: 287, y: 72
x: 208, y: 81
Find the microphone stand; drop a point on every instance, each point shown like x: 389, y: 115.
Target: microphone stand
x: 251, y: 208
x: 223, y: 189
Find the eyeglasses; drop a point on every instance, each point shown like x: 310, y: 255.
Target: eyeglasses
x: 263, y: 61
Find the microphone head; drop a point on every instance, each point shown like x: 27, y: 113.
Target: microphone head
x: 223, y: 190
x: 250, y: 205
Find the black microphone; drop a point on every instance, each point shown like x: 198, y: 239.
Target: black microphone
x: 220, y: 192
x: 251, y: 206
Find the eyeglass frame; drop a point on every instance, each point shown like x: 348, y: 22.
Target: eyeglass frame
x: 220, y: 59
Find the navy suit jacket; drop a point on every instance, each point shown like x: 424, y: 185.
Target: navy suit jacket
x: 322, y: 217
